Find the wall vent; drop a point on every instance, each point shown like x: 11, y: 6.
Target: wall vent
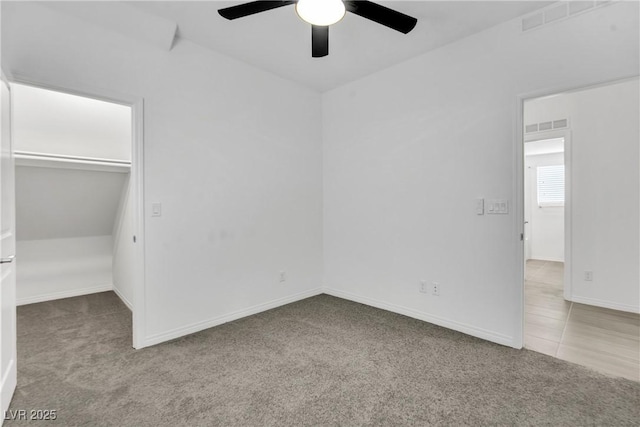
x: 544, y: 126
x: 559, y: 11
x: 531, y: 128
x: 559, y: 124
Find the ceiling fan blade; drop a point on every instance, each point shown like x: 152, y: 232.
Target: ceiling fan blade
x: 382, y: 15
x: 319, y: 41
x: 246, y: 9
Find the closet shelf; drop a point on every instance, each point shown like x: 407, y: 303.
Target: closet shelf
x: 43, y: 160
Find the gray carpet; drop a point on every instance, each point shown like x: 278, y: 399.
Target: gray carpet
x: 321, y: 361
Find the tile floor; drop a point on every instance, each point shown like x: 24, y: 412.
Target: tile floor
x: 603, y: 339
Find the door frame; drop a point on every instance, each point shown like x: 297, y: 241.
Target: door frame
x: 518, y: 191
x: 8, y: 377
x: 136, y: 183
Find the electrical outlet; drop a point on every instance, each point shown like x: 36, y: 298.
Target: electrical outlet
x: 423, y: 286
x: 435, y: 289
x: 588, y: 276
x: 283, y: 276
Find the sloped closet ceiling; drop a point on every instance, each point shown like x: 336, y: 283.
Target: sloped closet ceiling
x: 54, y: 203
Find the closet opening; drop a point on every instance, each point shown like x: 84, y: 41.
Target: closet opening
x: 76, y: 206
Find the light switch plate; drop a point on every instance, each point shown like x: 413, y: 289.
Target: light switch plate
x: 480, y: 206
x: 156, y: 209
x: 498, y: 206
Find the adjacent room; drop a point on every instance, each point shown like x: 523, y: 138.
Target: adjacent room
x: 581, y: 288
x: 389, y: 213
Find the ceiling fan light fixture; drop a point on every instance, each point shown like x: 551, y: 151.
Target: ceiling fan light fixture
x: 320, y: 12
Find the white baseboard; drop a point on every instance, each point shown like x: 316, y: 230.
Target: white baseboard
x: 64, y: 294
x: 216, y: 321
x: 123, y: 298
x: 436, y: 320
x: 7, y: 388
x: 605, y: 304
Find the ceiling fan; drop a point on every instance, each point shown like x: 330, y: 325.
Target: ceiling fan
x: 322, y: 13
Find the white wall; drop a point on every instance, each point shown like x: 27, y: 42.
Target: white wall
x: 232, y: 153
x: 59, y: 268
x: 58, y: 123
x: 605, y: 190
x: 123, y: 248
x: 408, y: 150
x: 546, y: 223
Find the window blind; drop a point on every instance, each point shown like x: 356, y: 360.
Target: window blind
x: 550, y: 185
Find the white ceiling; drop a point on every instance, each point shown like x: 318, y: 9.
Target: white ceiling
x: 279, y: 42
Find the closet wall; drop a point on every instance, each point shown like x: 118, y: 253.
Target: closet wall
x: 72, y: 174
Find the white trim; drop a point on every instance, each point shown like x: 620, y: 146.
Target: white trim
x: 9, y: 383
x: 605, y: 304
x: 568, y: 215
x: 440, y: 321
x: 436, y: 320
x: 136, y: 103
x: 9, y: 344
x: 64, y: 294
x: 225, y: 318
x: 123, y: 298
x: 136, y: 187
x: 517, y: 190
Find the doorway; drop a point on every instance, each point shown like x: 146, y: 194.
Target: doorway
x: 581, y: 300
x: 78, y: 159
x: 545, y: 191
